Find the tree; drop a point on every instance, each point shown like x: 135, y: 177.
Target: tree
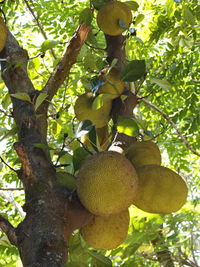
x: 40, y: 136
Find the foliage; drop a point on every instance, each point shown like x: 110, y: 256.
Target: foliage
x: 165, y: 35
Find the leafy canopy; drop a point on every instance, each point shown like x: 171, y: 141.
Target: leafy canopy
x: 166, y: 38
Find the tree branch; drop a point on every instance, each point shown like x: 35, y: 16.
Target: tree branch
x: 11, y: 200
x: 172, y: 124
x: 11, y: 189
x: 39, y: 25
x: 66, y: 62
x: 7, y: 165
x: 9, y: 230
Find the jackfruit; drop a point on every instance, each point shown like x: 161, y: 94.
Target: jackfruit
x: 110, y: 15
x: 83, y: 110
x: 107, y: 183
x: 3, y: 34
x: 143, y: 153
x: 106, y: 232
x: 112, y: 83
x: 160, y: 190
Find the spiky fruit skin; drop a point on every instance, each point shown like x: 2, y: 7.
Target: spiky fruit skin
x: 112, y: 83
x: 109, y: 15
x: 144, y: 153
x: 160, y: 190
x: 83, y: 110
x: 107, y: 183
x: 106, y: 232
x: 3, y: 34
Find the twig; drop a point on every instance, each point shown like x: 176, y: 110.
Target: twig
x: 94, y: 47
x: 8, y: 165
x: 84, y: 146
x: 9, y: 230
x: 11, y: 189
x: 62, y: 148
x: 5, y: 113
x: 70, y: 54
x: 11, y: 200
x: 173, y: 125
x: 39, y: 25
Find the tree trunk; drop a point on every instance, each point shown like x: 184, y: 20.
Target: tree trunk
x: 52, y: 213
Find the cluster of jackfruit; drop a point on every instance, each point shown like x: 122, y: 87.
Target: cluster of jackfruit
x: 160, y: 189
x: 110, y: 86
x: 113, y: 18
x: 109, y: 182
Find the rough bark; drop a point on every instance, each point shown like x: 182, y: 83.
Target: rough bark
x: 52, y: 213
x: 116, y: 50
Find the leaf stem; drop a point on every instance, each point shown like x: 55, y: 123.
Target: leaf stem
x: 172, y: 124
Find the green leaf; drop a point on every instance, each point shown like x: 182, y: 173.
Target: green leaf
x: 79, y: 155
x: 40, y: 99
x: 6, y: 101
x: 113, y: 63
x: 9, y: 133
x: 138, y: 19
x: 133, y: 71
x: 96, y: 82
x: 100, y: 100
x: 1, y: 166
x: 148, y: 135
x: 93, y: 138
x: 122, y: 24
x: 104, y: 261
x: 132, y: 4
x: 83, y: 128
x: 127, y: 126
x: 188, y: 16
x: 48, y: 44
x: 170, y: 8
x: 22, y: 96
x: 86, y: 16
x: 99, y: 3
x: 162, y: 83
x: 89, y: 61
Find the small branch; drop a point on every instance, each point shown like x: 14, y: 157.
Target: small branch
x: 11, y: 200
x: 8, y: 165
x: 84, y: 146
x: 94, y: 47
x: 62, y: 148
x: 9, y: 230
x: 5, y: 113
x: 66, y: 62
x: 173, y: 125
x: 11, y: 189
x: 39, y: 25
